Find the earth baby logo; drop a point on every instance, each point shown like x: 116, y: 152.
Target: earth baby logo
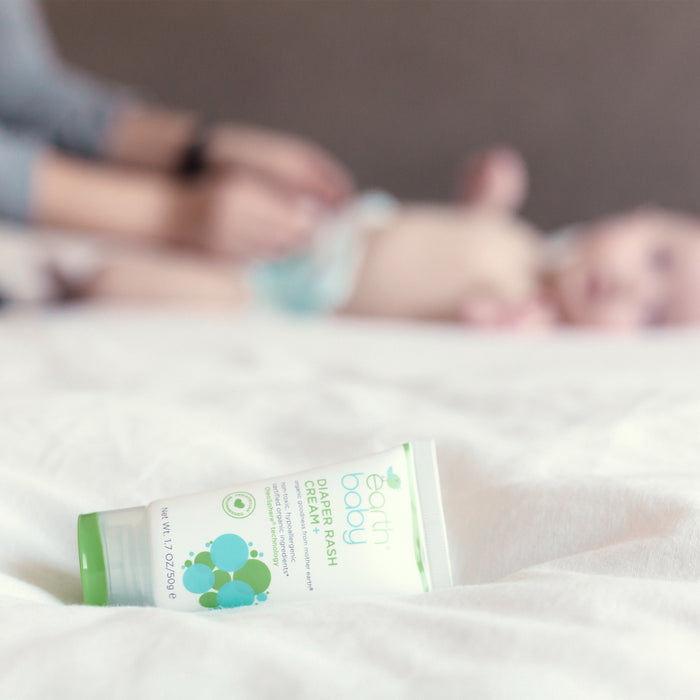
x: 227, y: 574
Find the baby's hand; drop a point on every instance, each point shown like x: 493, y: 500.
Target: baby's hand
x: 488, y: 311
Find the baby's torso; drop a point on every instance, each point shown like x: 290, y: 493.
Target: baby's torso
x: 428, y: 259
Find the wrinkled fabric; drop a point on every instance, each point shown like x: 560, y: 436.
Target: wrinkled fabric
x: 570, y: 481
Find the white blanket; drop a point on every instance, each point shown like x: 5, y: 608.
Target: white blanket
x: 571, y: 480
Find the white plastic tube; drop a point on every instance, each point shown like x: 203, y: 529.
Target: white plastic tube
x: 370, y: 526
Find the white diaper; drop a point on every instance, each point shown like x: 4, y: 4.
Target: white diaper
x: 322, y: 277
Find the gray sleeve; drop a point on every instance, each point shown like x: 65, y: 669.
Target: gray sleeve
x: 18, y: 157
x: 40, y: 94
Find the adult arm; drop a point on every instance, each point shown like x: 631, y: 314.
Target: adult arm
x: 233, y: 216
x: 39, y: 93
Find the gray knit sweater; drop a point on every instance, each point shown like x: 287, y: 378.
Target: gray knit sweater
x: 43, y: 103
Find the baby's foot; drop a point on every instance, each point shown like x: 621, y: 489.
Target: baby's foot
x: 496, y: 178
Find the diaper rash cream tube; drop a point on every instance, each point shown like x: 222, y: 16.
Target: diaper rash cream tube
x: 369, y: 526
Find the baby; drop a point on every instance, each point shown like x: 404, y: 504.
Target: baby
x: 473, y: 262
x: 479, y: 264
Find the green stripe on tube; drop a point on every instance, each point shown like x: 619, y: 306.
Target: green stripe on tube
x: 92, y: 562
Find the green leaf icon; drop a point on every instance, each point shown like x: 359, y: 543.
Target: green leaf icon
x: 238, y: 503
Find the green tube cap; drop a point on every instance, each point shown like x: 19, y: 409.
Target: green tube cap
x: 93, y: 576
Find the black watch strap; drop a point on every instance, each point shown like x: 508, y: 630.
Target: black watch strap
x: 193, y: 161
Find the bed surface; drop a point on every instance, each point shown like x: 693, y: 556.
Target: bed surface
x: 571, y: 483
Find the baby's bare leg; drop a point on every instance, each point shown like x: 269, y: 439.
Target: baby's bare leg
x: 153, y: 276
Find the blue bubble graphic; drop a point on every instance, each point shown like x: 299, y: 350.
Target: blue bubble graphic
x: 198, y: 578
x: 235, y: 594
x: 229, y: 552
x: 262, y: 597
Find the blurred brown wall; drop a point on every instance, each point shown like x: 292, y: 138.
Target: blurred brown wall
x: 602, y: 97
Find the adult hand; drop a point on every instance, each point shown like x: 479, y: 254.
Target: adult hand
x: 292, y: 162
x: 242, y: 217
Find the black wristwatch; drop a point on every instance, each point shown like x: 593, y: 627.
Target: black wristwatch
x: 193, y: 161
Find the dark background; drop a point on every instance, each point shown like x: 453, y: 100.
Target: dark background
x: 602, y: 96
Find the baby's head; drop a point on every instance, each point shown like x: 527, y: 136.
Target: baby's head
x: 630, y: 271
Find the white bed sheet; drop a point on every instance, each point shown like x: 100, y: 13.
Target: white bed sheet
x: 571, y: 482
